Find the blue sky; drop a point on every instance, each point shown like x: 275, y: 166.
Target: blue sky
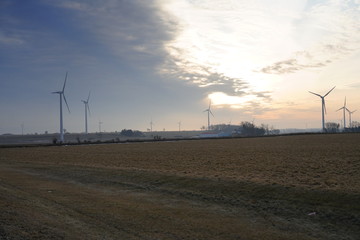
x: 165, y: 60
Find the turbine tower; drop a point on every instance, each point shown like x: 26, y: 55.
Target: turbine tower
x: 350, y: 112
x: 151, y: 125
x: 344, y: 110
x: 62, y: 96
x: 208, y: 110
x: 100, y: 122
x: 87, y: 108
x: 323, y: 107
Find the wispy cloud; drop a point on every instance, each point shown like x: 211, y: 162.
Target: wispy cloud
x: 11, y: 39
x: 329, y: 31
x: 10, y: 35
x: 218, y: 45
x: 230, y: 48
x: 221, y: 89
x: 291, y: 66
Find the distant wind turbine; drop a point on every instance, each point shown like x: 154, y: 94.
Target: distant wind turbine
x: 350, y: 113
x: 344, y: 110
x: 87, y: 108
x: 151, y: 125
x: 208, y: 110
x: 323, y: 107
x: 62, y: 96
x: 100, y: 122
x: 179, y: 126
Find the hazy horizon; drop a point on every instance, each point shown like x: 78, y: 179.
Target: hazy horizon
x: 163, y: 61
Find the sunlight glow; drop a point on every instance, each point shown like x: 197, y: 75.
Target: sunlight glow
x: 256, y: 56
x: 220, y: 99
x: 233, y: 38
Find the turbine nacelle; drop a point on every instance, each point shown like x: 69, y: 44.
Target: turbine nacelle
x: 208, y: 110
x: 323, y: 106
x: 351, y: 112
x: 87, y: 108
x: 344, y: 108
x: 62, y: 96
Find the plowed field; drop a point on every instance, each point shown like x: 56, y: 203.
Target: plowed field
x: 284, y: 187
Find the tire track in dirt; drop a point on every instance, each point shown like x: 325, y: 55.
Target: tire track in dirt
x: 282, y: 208
x: 210, y: 189
x: 72, y: 201
x: 33, y: 213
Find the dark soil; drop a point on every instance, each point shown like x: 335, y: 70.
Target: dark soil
x: 295, y: 187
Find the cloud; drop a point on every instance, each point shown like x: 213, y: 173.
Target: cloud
x: 9, y: 34
x: 248, y: 100
x: 135, y: 29
x: 354, y: 85
x: 127, y: 33
x: 217, y: 45
x: 11, y: 39
x: 291, y: 66
x: 329, y: 31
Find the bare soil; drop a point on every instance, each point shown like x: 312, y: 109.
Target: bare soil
x: 284, y: 187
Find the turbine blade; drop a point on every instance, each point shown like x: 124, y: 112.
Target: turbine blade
x: 66, y: 102
x: 315, y: 94
x: 87, y: 105
x: 339, y: 109
x: 324, y: 107
x: 345, y: 102
x: 211, y: 113
x: 65, y: 82
x: 88, y: 97
x: 329, y: 91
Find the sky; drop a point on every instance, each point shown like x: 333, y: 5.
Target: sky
x: 163, y: 61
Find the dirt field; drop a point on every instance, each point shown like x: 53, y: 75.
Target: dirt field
x: 284, y: 187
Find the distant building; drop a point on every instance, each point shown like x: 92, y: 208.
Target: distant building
x: 214, y: 134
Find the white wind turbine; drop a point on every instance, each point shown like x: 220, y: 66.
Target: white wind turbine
x: 208, y: 110
x: 350, y: 112
x: 151, y: 125
x: 62, y: 95
x: 344, y: 109
x: 323, y: 107
x: 87, y: 108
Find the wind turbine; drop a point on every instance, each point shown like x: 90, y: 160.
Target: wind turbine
x: 100, y: 122
x: 344, y: 109
x: 179, y: 123
x: 86, y: 110
x: 323, y: 107
x: 350, y: 112
x: 208, y: 110
x: 151, y: 124
x: 62, y: 96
